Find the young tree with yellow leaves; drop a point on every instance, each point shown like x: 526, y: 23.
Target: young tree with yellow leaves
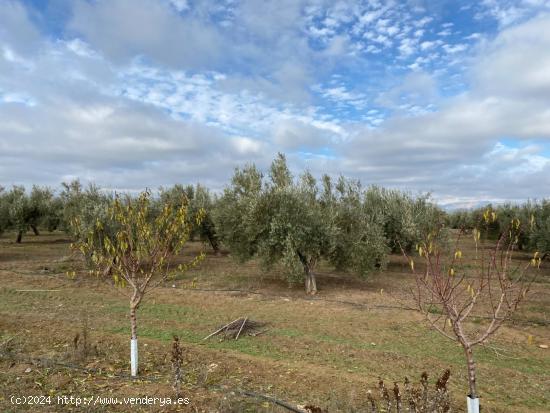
x: 139, y: 252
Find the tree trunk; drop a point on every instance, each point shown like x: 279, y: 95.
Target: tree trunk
x: 109, y: 270
x: 471, y: 372
x: 133, y: 321
x: 19, y: 237
x: 214, y: 243
x: 311, y: 283
x: 35, y: 230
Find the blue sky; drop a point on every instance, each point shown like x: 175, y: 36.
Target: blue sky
x: 441, y: 96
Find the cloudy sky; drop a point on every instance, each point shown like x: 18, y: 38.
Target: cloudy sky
x: 451, y: 97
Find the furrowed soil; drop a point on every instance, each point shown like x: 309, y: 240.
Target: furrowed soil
x: 69, y: 336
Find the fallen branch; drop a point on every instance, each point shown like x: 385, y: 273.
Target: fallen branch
x: 220, y: 329
x: 241, y: 329
x: 238, y: 327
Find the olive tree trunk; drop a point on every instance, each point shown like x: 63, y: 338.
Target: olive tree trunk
x: 309, y: 265
x: 311, y: 283
x: 214, y: 244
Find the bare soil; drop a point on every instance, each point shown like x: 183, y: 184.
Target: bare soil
x: 325, y: 351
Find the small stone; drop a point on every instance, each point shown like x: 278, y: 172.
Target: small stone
x: 543, y: 346
x: 28, y: 370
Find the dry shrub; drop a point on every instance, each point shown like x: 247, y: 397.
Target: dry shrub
x: 177, y: 363
x: 414, y: 399
x: 82, y: 343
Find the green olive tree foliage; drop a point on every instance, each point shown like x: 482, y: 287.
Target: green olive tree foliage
x: 236, y: 217
x: 26, y: 211
x: 82, y: 210
x: 198, y: 198
x: 4, y: 211
x: 539, y: 223
x: 88, y: 204
x: 53, y: 219
x: 296, y: 224
x: 460, y: 219
x: 142, y: 248
x: 404, y: 217
x: 359, y: 239
x: 533, y: 216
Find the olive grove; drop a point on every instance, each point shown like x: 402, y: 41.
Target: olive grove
x: 22, y: 211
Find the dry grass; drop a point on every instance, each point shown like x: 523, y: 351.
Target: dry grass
x: 324, y: 352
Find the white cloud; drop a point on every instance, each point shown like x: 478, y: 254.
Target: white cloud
x: 517, y: 62
x: 407, y: 47
x: 122, y: 29
x: 455, y: 48
x: 445, y: 32
x: 180, y: 5
x: 167, y: 91
x: 459, y: 143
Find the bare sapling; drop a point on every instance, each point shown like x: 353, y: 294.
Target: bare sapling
x: 138, y: 256
x: 450, y: 292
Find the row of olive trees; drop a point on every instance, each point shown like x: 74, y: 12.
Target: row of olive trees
x: 21, y: 211
x: 533, y: 216
x: 299, y: 222
x: 42, y: 208
x: 293, y: 223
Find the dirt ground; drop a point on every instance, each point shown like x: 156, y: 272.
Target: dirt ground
x: 69, y: 336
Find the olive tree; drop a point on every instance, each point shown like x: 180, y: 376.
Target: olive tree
x: 296, y: 224
x: 27, y: 211
x: 358, y: 240
x: 4, y: 211
x: 539, y: 224
x: 460, y: 219
x: 198, y: 198
x: 397, y: 215
x: 404, y: 217
x: 53, y: 218
x: 83, y: 208
x: 140, y: 253
x: 88, y: 204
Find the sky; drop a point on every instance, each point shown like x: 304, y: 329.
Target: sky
x: 446, y: 97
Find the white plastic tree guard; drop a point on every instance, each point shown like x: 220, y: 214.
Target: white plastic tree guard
x: 134, y: 356
x: 473, y: 405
